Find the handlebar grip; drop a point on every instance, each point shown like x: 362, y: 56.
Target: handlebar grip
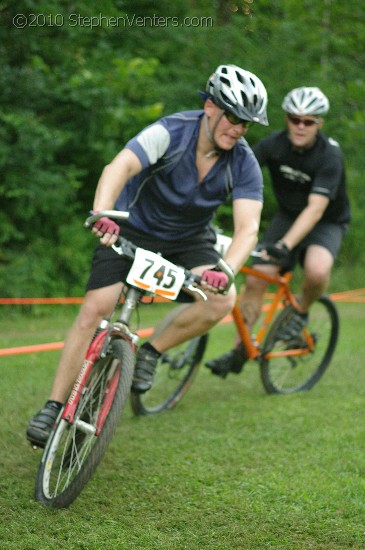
x: 116, y: 214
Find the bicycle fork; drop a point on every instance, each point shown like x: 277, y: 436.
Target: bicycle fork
x: 99, y: 349
x: 76, y: 392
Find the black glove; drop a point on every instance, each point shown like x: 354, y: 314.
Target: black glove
x: 278, y: 250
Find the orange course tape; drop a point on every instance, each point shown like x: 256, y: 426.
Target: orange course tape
x: 52, y: 301
x: 143, y: 333
x: 33, y: 301
x: 346, y: 296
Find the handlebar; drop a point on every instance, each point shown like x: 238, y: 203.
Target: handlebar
x: 256, y: 253
x: 116, y: 214
x: 261, y: 252
x: 127, y: 248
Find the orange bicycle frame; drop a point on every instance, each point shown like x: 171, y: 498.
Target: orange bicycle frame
x: 283, y: 294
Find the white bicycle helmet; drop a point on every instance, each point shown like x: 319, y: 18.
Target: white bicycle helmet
x: 306, y: 101
x: 239, y: 92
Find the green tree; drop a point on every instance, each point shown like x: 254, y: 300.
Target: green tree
x: 64, y: 114
x: 72, y: 95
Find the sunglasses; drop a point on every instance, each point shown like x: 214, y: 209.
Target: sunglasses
x: 234, y: 119
x: 307, y: 122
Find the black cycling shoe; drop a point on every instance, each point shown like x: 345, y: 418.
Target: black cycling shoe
x: 144, y: 370
x: 293, y: 327
x: 40, y: 426
x: 232, y: 361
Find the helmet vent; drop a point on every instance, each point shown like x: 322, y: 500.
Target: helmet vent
x: 244, y: 99
x: 306, y: 101
x: 226, y: 99
x: 240, y: 77
x: 239, y: 91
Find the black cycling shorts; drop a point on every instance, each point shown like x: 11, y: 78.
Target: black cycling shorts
x: 326, y: 234
x: 109, y: 268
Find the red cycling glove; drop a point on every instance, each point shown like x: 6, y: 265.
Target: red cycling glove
x: 106, y: 225
x: 215, y: 278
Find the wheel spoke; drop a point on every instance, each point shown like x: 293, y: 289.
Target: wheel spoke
x: 73, y: 453
x: 174, y: 373
x: 292, y: 366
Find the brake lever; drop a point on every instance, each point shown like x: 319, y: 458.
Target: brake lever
x: 198, y: 291
x: 123, y: 248
x: 118, y: 249
x: 191, y: 280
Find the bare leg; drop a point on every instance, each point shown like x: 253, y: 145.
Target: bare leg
x: 252, y: 296
x: 97, y: 304
x: 250, y: 302
x: 181, y: 325
x: 167, y: 321
x: 194, y: 320
x: 317, y: 271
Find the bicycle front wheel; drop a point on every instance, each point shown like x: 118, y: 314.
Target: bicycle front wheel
x: 74, y: 451
x: 174, y: 374
x: 288, y: 367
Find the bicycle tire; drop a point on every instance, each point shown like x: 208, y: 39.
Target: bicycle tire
x: 174, y: 374
x: 293, y: 374
x: 71, y: 456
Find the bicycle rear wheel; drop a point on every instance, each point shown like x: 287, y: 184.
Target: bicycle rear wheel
x: 74, y: 451
x: 289, y: 374
x: 174, y: 374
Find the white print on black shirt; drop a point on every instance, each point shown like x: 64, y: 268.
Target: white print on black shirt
x: 294, y: 175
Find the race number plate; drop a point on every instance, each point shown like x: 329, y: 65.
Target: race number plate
x: 153, y: 273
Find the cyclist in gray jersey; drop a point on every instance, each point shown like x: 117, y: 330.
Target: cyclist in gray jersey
x: 308, y: 178
x: 171, y: 178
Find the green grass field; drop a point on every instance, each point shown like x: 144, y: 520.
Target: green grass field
x: 231, y: 467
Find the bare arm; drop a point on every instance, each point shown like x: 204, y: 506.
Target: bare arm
x: 112, y: 181
x: 246, y: 215
x: 306, y: 220
x: 114, y: 177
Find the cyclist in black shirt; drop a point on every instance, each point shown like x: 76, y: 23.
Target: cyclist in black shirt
x: 308, y: 178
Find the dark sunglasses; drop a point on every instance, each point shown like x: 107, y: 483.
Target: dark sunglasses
x: 307, y: 122
x: 234, y: 119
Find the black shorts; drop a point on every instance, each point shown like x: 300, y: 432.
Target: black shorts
x: 326, y: 234
x: 109, y: 268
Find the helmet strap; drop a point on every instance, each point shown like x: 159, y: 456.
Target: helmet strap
x: 210, y: 133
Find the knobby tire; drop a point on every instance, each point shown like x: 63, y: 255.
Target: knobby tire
x: 290, y: 375
x: 174, y: 374
x: 85, y: 451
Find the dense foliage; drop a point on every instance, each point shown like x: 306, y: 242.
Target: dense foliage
x: 78, y: 82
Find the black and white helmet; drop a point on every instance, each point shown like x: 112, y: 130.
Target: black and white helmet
x: 239, y: 92
x: 306, y: 101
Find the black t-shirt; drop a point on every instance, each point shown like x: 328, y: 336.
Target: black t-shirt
x: 295, y: 174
